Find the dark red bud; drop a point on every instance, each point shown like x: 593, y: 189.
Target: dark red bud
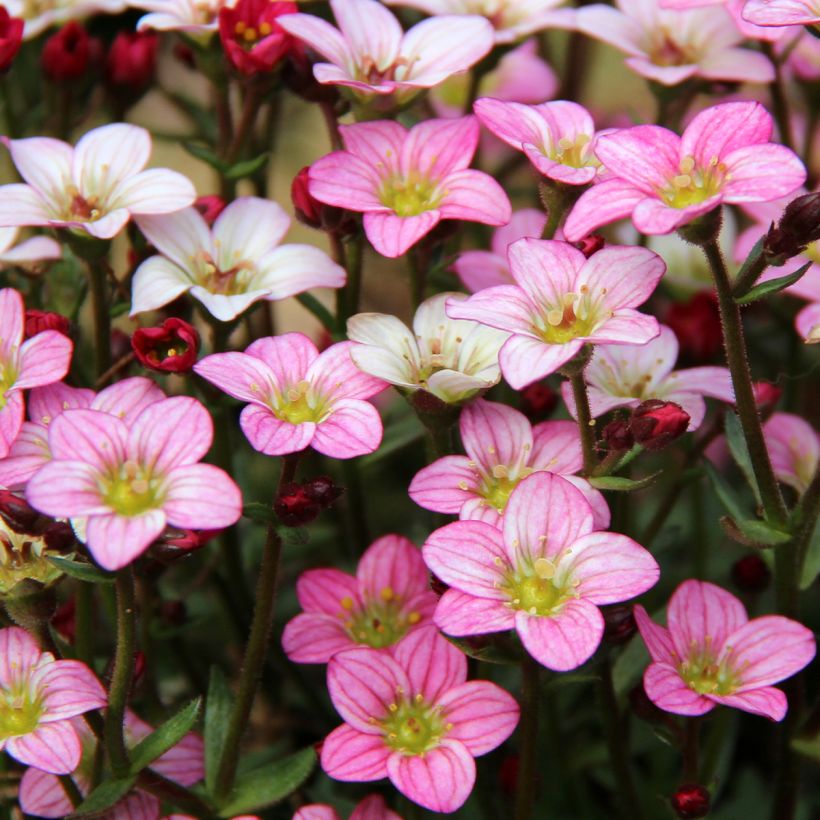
x: 171, y: 348
x: 210, y: 207
x: 63, y: 620
x: 619, y: 623
x: 618, y: 436
x: 798, y: 227
x: 538, y: 401
x: 68, y: 54
x: 766, y: 397
x: 295, y: 507
x: 697, y: 325
x: 751, y: 574
x: 132, y: 61
x: 39, y: 320
x: 322, y: 490
x: 590, y: 244
x: 655, y: 424
x: 17, y: 513
x: 11, y: 36
x: 59, y: 536
x: 191, y: 539
x: 690, y: 801
x: 309, y: 211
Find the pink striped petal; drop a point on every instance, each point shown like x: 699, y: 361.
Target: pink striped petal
x: 438, y: 148
x: 373, y: 807
x: 505, y: 307
x: 156, y: 191
x: 395, y: 563
x: 767, y: 702
x: 335, y: 376
x: 291, y: 269
x: 128, y: 398
x: 606, y: 202
x: 483, y: 715
x: 52, y: 747
x: 311, y: 638
x: 22, y: 205
x: 721, y: 129
x: 11, y: 420
x: 758, y: 173
x: 626, y: 275
x: 90, y: 436
x: 319, y: 35
x: 525, y: 360
x: 41, y: 795
x: 346, y: 181
x: 67, y: 488
x: 556, y: 447
x: 382, y: 140
x: 45, y: 164
x: 272, y: 436
x: 69, y: 688
x: 665, y: 688
x: 392, y: 235
x: 350, y: 755
x: 290, y: 356
x: 201, y: 497
x: 44, y: 359
x: 461, y: 614
x: 657, y: 638
x: 323, y: 590
x: 545, y: 269
x: 115, y: 541
x: 18, y: 653
x: 495, y: 434
x: 514, y: 123
x: 438, y: 487
x: 476, y: 197
x: 627, y: 326
x: 647, y: 155
x: 480, y: 269
x: 12, y: 311
x: 369, y: 29
x: 432, y: 663
x: 353, y: 428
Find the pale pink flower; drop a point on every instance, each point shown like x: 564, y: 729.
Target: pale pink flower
x: 562, y: 301
x: 794, y: 448
x: 736, y: 9
x: 665, y: 181
x: 413, y: 717
x: 30, y: 450
x: 27, y: 252
x: 544, y: 573
x: 484, y: 269
x: 96, y: 187
x: 196, y: 17
x: 808, y: 323
x: 388, y: 597
x: 42, y: 794
x: 452, y: 360
x: 298, y: 397
x: 39, y: 16
x: 512, y: 19
x: 372, y: 55
x: 557, y: 137
x: 43, y: 359
x: 406, y: 182
x: 130, y: 480
x: 627, y: 375
x: 39, y: 696
x: 782, y: 12
x: 230, y: 266
x: 672, y: 46
x: 712, y: 654
x: 502, y: 449
x: 371, y: 808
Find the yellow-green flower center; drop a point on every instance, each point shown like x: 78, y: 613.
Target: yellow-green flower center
x: 20, y: 711
x: 298, y: 405
x: 381, y: 622
x: 8, y: 376
x: 705, y: 675
x: 414, y: 727
x: 497, y: 487
x: 694, y: 185
x: 533, y: 589
x: 133, y: 490
x: 574, y: 153
x: 230, y: 282
x: 572, y: 319
x: 410, y: 195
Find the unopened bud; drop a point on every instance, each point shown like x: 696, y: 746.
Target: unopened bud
x: 590, y: 244
x: 11, y: 36
x: 68, y: 54
x: 58, y: 537
x: 766, y: 397
x: 309, y: 211
x: 322, y: 490
x: 690, y: 801
x: 751, y: 574
x: 299, y: 504
x: 16, y: 512
x: 132, y: 62
x: 210, y: 206
x: 655, y: 424
x: 619, y: 623
x: 171, y: 348
x: 697, y: 325
x: 617, y: 436
x: 798, y: 227
x: 538, y: 401
x: 39, y: 320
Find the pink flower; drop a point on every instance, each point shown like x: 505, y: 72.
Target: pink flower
x: 484, y: 269
x: 665, y: 181
x: 557, y: 137
x: 808, y: 323
x: 544, y: 573
x: 229, y: 267
x: 782, y: 12
x: 298, y: 397
x: 197, y: 17
x: 39, y: 695
x: 627, y: 375
x: 712, y: 654
x: 562, y: 301
x: 406, y: 182
x: 672, y: 46
x: 502, y: 449
x: 388, y: 597
x: 43, y: 359
x: 96, y: 187
x: 130, y: 480
x: 372, y: 55
x: 794, y: 448
x: 414, y: 718
x: 30, y: 251
x: 371, y: 808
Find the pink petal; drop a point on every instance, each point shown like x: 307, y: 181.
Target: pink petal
x: 353, y: 428
x: 66, y: 488
x: 373, y: 807
x: 290, y: 356
x: 437, y: 487
x: 626, y: 275
x: 335, y: 376
x: 627, y: 326
x: 514, y: 123
x: 762, y: 172
x: 18, y: 653
x: 807, y: 321
x: 11, y: 420
x: 319, y: 35
x: 106, y: 157
x: 708, y: 381
x: 96, y: 438
x: 461, y: 614
x: 647, y: 155
x: 438, y: 148
x: 780, y: 12
x: 312, y: 638
x: 525, y: 360
x: 664, y: 74
x: 666, y: 689
x: 393, y: 235
x: 291, y: 269
x: 316, y: 811
x: 494, y: 434
x: 12, y: 310
x: 69, y: 688
x: 22, y: 205
x: 46, y: 403
x: 606, y: 202
x: 248, y: 227
x: 348, y: 754
x: 480, y: 269
x: 545, y: 269
x: 767, y: 702
x: 44, y: 359
x: 476, y: 197
x: 178, y: 236
x: 505, y: 307
x: 737, y: 64
x: 114, y: 541
x: 657, y: 638
x: 323, y: 590
x: 381, y: 141
x: 41, y: 795
x: 395, y: 563
x: 272, y: 436
x: 346, y: 181
x: 201, y: 497
x: 128, y: 398
x: 556, y: 447
x: 52, y: 747
x: 369, y: 29
x: 157, y: 191
x: 432, y: 663
x: 595, y: 499
x: 721, y: 129
x: 611, y: 26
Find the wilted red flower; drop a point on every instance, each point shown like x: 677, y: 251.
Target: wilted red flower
x: 11, y: 35
x: 252, y: 39
x: 170, y: 348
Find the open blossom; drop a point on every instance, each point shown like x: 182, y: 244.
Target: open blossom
x: 370, y: 54
x: 406, y: 182
x: 562, y: 301
x: 130, y: 480
x: 96, y: 186
x: 413, y: 717
x: 371, y: 808
x: 794, y: 447
x: 251, y: 36
x: 502, y: 449
x: 299, y: 397
x: 484, y: 269
x: 39, y: 16
x: 665, y: 181
x: 712, y: 654
x: 544, y: 573
x: 42, y: 794
x: 453, y: 360
x: 557, y: 137
x: 672, y: 46
x: 35, y: 249
x: 512, y: 19
x: 197, y: 17
x: 782, y: 12
x: 388, y: 598
x: 38, y: 697
x: 230, y: 266
x: 628, y: 375
x: 43, y: 359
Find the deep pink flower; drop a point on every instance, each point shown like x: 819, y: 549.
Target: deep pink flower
x: 11, y: 37
x: 665, y: 181
x: 711, y: 653
x: 544, y: 573
x: 170, y: 348
x: 561, y: 301
x: 251, y: 36
x: 794, y: 447
x: 414, y: 718
x: 502, y: 449
x: 130, y: 480
x: 782, y: 12
x: 41, y: 360
x: 388, y: 597
x: 371, y: 808
x: 406, y: 182
x: 299, y: 397
x: 38, y: 697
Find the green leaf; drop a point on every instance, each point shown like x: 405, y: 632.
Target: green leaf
x: 269, y: 784
x: 772, y: 286
x: 246, y: 168
x: 164, y: 737
x: 810, y: 747
x: 751, y: 260
x: 202, y: 152
x: 811, y: 564
x: 257, y: 511
x: 81, y: 570
x: 740, y: 453
x: 724, y: 492
x: 311, y: 303
x: 218, y: 708
x: 104, y: 796
x: 620, y: 483
x: 119, y: 309
x: 759, y: 532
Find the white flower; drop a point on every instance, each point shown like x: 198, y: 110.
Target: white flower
x: 35, y: 249
x: 40, y: 14
x: 193, y: 16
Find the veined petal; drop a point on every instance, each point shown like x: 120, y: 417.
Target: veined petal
x: 114, y: 541
x: 667, y: 690
x: 314, y: 638
x: 606, y: 202
x: 627, y: 326
x: 156, y: 191
x: 392, y: 235
x: 157, y: 282
x: 89, y: 436
x: 353, y: 428
x: 657, y: 638
x: 346, y: 181
x: 505, y: 307
x: 348, y: 754
x: 291, y: 269
x: 432, y: 663
x: 545, y: 269
x: 66, y: 488
x: 370, y: 30
x: 51, y: 747
x: 458, y: 613
x: 226, y: 307
x: 621, y: 276
x: 323, y: 590
x: 181, y: 236
x: 44, y: 359
x: 378, y: 144
x: 13, y: 311
x: 289, y: 356
x: 494, y: 434
x: 245, y: 377
x: 45, y: 164
x: 42, y: 795
x: 483, y: 715
x: 438, y: 148
x: 737, y: 64
x: 556, y: 447
x: 392, y: 562
x: 758, y: 173
x: 319, y: 35
x: 476, y: 197
x: 335, y: 376
x: 128, y: 398
x: 273, y: 436
x: 19, y: 652
x: 201, y: 497
x: 766, y: 701
x: 69, y: 688
x: 11, y: 420
x: 525, y: 360
x: 611, y: 26
x: 722, y: 129
x: 106, y: 157
x: 647, y: 155
x: 440, y: 486
x: 23, y: 205
x: 247, y: 229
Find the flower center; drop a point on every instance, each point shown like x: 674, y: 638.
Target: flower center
x: 666, y: 52
x: 8, y: 376
x: 381, y: 622
x: 248, y: 35
x: 497, y: 487
x: 80, y: 207
x: 533, y: 589
x: 705, y: 675
x: 413, y: 727
x: 19, y: 711
x: 24, y: 556
x: 410, y: 195
x: 133, y: 490
x: 298, y: 405
x: 575, y: 154
x: 570, y: 320
x: 694, y: 185
x: 227, y: 282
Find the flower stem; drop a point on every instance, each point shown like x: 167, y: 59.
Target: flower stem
x: 736, y: 357
x: 71, y: 790
x: 528, y: 752
x: 83, y: 631
x: 691, y: 750
x: 122, y: 675
x: 102, y: 317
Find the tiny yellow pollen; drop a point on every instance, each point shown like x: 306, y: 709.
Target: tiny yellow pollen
x: 500, y: 471
x: 491, y: 450
x: 265, y: 29
x: 413, y: 618
x: 346, y: 602
x: 419, y: 698
x: 47, y: 419
x: 532, y: 610
x: 387, y: 593
x: 240, y: 27
x: 448, y: 726
x: 682, y: 181
x: 249, y: 35
x: 393, y: 707
x: 497, y: 561
x: 462, y: 485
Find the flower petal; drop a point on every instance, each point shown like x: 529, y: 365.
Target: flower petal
x: 461, y: 614
x: 313, y: 638
x: 666, y: 689
x: 114, y: 541
x: 392, y: 235
x: 353, y: 428
x: 657, y: 638
x: 51, y: 747
x: 606, y: 202
x: 432, y: 663
x: 201, y: 497
x: 348, y: 754
x: 392, y: 562
x: 440, y: 486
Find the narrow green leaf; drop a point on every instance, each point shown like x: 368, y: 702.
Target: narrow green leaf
x: 202, y: 152
x: 762, y: 533
x: 811, y: 563
x: 257, y: 511
x: 119, y: 309
x: 246, y: 168
x: 269, y: 784
x: 772, y: 286
x: 750, y: 260
x: 164, y: 737
x: 311, y: 303
x: 724, y: 492
x: 740, y: 453
x: 620, y: 483
x: 105, y: 796
x: 81, y: 570
x: 217, y: 714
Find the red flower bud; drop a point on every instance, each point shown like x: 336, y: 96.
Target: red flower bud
x: 691, y: 800
x: 132, y: 61
x: 322, y: 490
x: 295, y: 507
x: 190, y: 539
x: 798, y: 227
x: 59, y: 536
x: 16, y: 512
x: 315, y: 214
x: 39, y: 320
x: 11, y: 36
x: 618, y: 436
x: 590, y: 244
x: 210, y: 207
x: 619, y: 623
x: 656, y: 424
x: 697, y: 325
x: 170, y: 348
x: 766, y: 397
x: 67, y: 55
x: 538, y: 401
x: 751, y: 574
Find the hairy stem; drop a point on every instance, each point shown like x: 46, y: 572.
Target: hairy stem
x: 586, y: 424
x: 527, y: 779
